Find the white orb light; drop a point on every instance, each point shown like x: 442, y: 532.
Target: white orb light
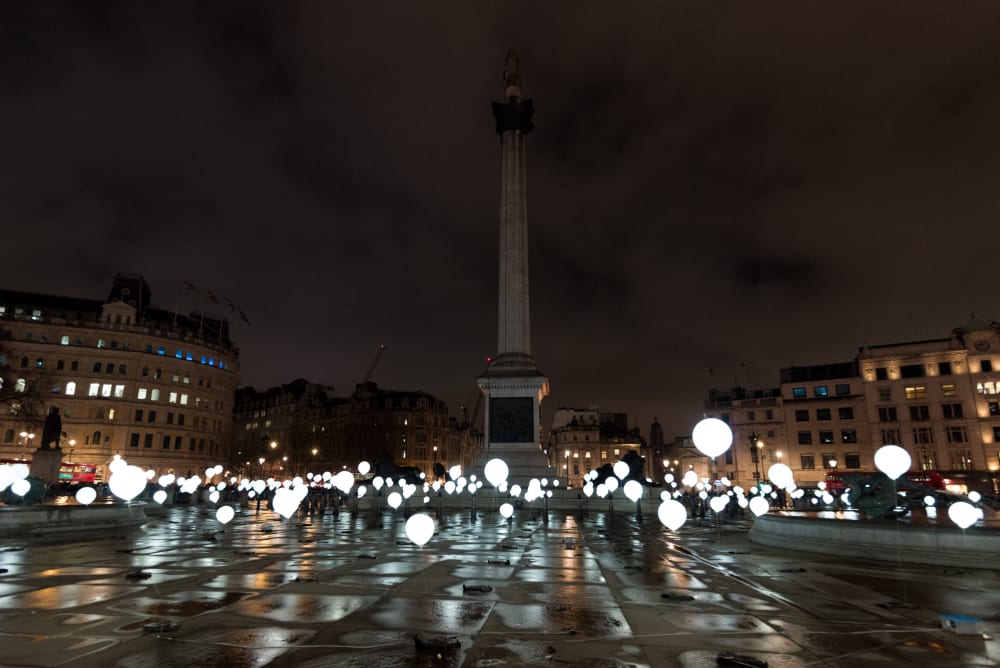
x: 892, y: 460
x: 496, y: 471
x: 160, y: 496
x: 611, y: 484
x: 515, y: 491
x: 420, y: 528
x: 364, y: 468
x: 362, y: 490
x: 719, y: 503
x: 672, y: 514
x: 690, y: 479
x: 20, y: 487
x: 394, y: 500
x: 781, y: 475
x: 344, y: 481
x: 127, y: 482
x: 975, y: 497
x: 963, y: 514
x: 759, y: 505
x: 633, y: 490
x: 225, y: 514
x: 712, y: 437
x: 86, y: 495
x: 506, y: 510
x: 621, y: 470
x: 285, y: 502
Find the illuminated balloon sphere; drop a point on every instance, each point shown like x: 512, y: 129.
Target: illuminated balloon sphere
x: 214, y: 497
x: 690, y: 479
x: 719, y: 503
x: 611, y: 484
x: 344, y: 481
x: 394, y: 500
x: 672, y: 514
x: 224, y: 514
x: 362, y: 490
x: 781, y: 475
x: 712, y: 437
x: 86, y: 495
x: 892, y: 460
x: 20, y: 487
x: 506, y: 510
x: 159, y: 496
x: 285, y: 502
x: 127, y: 482
x: 364, y: 468
x: 420, y: 528
x: 963, y: 514
x: 633, y: 490
x: 621, y: 470
x: 496, y: 471
x: 759, y: 505
x: 975, y: 497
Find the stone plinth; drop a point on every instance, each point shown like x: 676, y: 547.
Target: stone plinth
x: 45, y: 464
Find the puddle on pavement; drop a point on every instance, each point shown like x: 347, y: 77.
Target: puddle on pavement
x: 606, y: 621
x: 183, y: 604
x: 711, y: 623
x: 469, y: 571
x: 250, y: 581
x: 64, y: 596
x: 228, y: 648
x: 302, y: 608
x: 560, y: 575
x: 430, y: 616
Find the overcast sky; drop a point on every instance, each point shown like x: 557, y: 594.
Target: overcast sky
x: 709, y: 184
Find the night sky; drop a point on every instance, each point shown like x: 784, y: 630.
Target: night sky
x: 715, y: 190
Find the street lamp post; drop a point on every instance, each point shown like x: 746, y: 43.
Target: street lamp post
x: 756, y: 446
x: 566, y: 466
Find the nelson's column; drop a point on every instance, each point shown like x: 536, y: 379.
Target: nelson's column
x: 512, y: 385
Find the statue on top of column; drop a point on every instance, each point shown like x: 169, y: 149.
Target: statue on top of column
x: 512, y: 76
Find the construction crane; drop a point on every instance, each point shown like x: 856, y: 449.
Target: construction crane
x: 371, y: 368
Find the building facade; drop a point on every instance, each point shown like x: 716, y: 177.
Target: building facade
x: 584, y: 439
x: 938, y: 398
x: 128, y: 379
x: 301, y: 427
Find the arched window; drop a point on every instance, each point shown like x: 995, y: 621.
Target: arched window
x: 203, y: 359
x: 161, y: 351
x: 190, y: 357
x: 100, y: 343
x: 64, y: 340
x: 96, y: 439
x: 24, y: 361
x: 114, y: 344
x: 75, y: 366
x: 121, y: 370
x: 110, y: 368
x: 179, y: 354
x: 97, y: 367
x: 158, y: 374
x: 70, y: 388
x: 8, y: 436
x: 60, y: 365
x: 145, y: 371
x: 20, y: 385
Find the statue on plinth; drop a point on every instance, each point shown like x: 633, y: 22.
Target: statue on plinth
x: 52, y: 430
x: 512, y: 76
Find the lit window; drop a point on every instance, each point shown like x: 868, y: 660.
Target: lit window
x: 179, y: 354
x: 70, y: 388
x: 142, y: 393
x: 106, y: 390
x: 916, y: 391
x: 821, y: 391
x: 120, y: 391
x: 64, y: 341
x: 154, y: 394
x: 100, y: 343
x: 190, y: 357
x: 184, y: 400
x: 161, y: 351
x: 172, y: 399
x: 948, y: 389
x: 94, y: 389
x: 798, y: 392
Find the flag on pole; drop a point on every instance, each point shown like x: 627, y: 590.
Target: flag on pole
x: 230, y: 304
x: 190, y: 286
x: 243, y: 315
x: 211, y: 296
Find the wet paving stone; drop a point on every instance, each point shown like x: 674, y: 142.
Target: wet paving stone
x: 606, y: 621
x: 229, y: 647
x: 424, y: 615
x: 181, y: 604
x: 66, y: 596
x: 301, y: 608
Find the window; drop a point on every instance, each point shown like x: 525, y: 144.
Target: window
x: 923, y: 435
x: 848, y: 436
x: 994, y: 408
x: 750, y: 416
x: 768, y: 415
x: 961, y: 460
x: 916, y: 391
x: 926, y: 460
x: 948, y: 389
x: 64, y: 341
x: 166, y: 442
x: 93, y: 389
x: 152, y: 416
x: 147, y: 441
x: 74, y: 366
x: 170, y: 418
x: 172, y: 398
x: 956, y: 434
x: 138, y: 414
x: 989, y: 387
x: 852, y: 460
x: 178, y: 441
x: 154, y: 394
x: 798, y: 392
x: 881, y: 373
x: 920, y: 413
x: 802, y: 415
x: 912, y: 371
x: 826, y: 437
x: 145, y: 371
x: 122, y: 370
x: 891, y: 436
x: 985, y: 366
x: 823, y: 414
x: 944, y: 368
x: 952, y: 411
x: 827, y: 457
x: 996, y: 434
x: 843, y: 389
x: 821, y: 391
x: 133, y: 441
x: 807, y: 462
x: 184, y: 400
x: 110, y: 368
x: 142, y: 393
x: 70, y: 388
x: 884, y: 394
x: 887, y: 414
x: 805, y: 438
x: 97, y: 367
x: 845, y: 413
x: 180, y: 419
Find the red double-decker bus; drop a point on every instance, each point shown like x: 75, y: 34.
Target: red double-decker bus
x: 71, y: 472
x: 929, y: 479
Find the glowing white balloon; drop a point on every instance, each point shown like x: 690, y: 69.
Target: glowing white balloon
x: 20, y: 487
x: 633, y: 490
x: 127, y: 482
x: 364, y: 468
x: 86, y: 495
x: 712, y: 437
x: 690, y: 479
x: 394, y: 500
x: 963, y: 514
x: 118, y: 464
x: 377, y: 482
x: 975, y: 496
x: 588, y: 489
x: 672, y: 514
x: 285, y: 502
x: 344, y: 481
x: 621, y: 470
x: 224, y: 514
x: 159, y: 496
x: 515, y: 491
x: 759, y: 505
x: 719, y: 503
x: 362, y: 490
x: 420, y: 528
x: 611, y: 484
x: 892, y: 460
x: 214, y: 497
x: 506, y: 510
x: 496, y: 471
x: 781, y: 475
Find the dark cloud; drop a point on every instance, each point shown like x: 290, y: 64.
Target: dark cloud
x: 735, y: 188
